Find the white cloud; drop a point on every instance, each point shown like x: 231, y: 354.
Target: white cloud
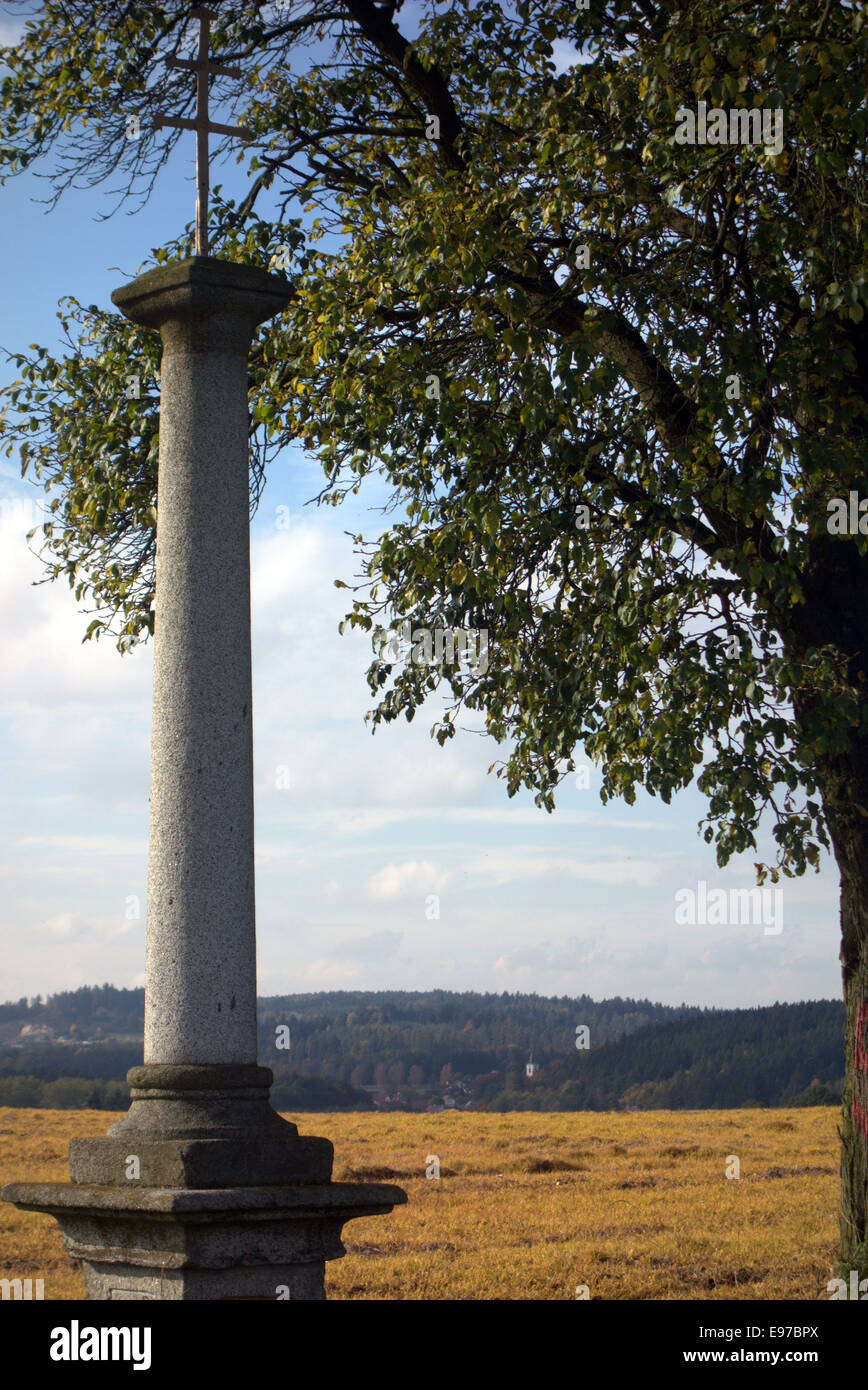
x: 378, y: 946
x: 74, y: 926
x: 565, y: 55
x: 46, y: 665
x: 511, y: 868
x: 11, y: 30
x: 91, y: 846
x: 396, y: 881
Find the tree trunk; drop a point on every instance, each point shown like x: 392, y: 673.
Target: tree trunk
x: 835, y: 613
x: 845, y: 794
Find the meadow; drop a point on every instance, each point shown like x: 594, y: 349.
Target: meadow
x: 528, y: 1205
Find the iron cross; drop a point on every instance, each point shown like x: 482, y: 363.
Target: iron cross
x: 203, y: 127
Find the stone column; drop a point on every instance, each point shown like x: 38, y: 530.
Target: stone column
x: 200, y: 997
x: 233, y: 1202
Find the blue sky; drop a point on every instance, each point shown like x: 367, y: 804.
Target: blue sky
x: 368, y: 828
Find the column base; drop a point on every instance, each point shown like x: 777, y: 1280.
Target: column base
x: 197, y: 1127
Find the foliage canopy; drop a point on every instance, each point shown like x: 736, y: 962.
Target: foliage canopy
x: 695, y: 382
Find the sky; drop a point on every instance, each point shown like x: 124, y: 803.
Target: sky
x: 383, y: 861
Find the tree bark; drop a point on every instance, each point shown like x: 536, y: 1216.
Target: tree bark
x: 845, y: 795
x: 836, y: 613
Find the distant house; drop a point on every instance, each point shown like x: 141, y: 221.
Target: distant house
x: 36, y: 1033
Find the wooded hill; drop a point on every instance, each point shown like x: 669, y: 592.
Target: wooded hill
x: 349, y: 1050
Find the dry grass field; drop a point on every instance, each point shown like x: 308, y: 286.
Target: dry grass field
x: 528, y: 1206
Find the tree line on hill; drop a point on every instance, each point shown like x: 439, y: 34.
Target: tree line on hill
x: 347, y: 1049
x: 783, y: 1054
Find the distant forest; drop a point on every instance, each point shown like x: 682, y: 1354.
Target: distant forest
x: 426, y: 1050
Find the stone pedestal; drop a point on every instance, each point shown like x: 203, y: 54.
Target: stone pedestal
x: 202, y: 1191
x: 268, y: 1242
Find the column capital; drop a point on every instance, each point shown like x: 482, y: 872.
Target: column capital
x: 204, y: 304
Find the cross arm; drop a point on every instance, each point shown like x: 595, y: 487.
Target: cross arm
x: 212, y: 128
x: 200, y: 65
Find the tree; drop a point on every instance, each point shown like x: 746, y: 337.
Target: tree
x: 616, y: 380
